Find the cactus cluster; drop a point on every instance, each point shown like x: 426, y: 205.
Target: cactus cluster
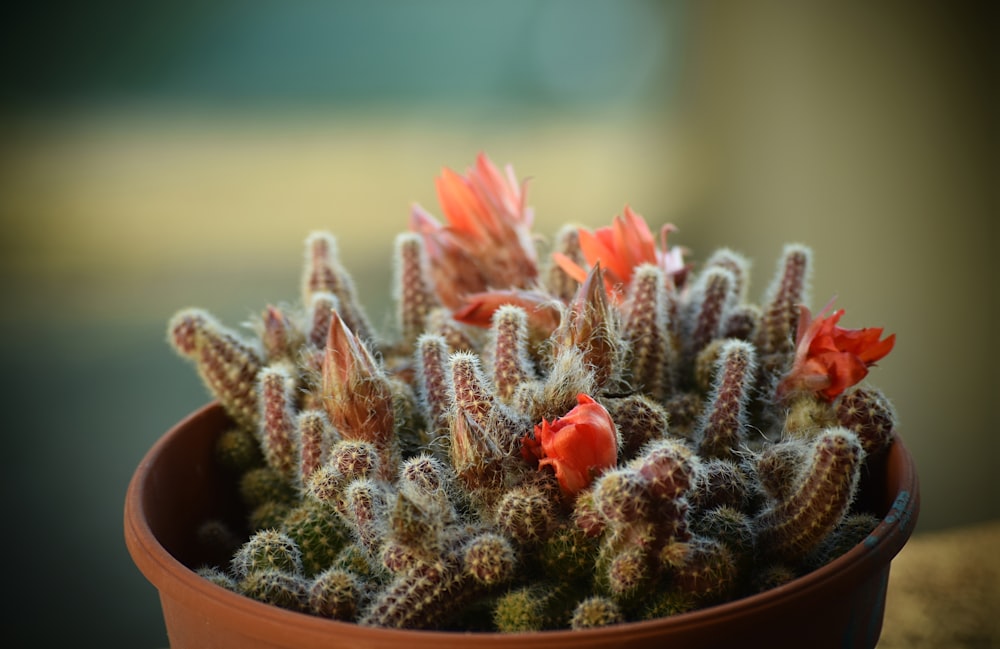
x: 601, y: 435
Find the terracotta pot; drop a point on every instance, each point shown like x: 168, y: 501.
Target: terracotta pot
x: 178, y: 485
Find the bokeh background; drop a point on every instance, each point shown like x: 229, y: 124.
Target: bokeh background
x: 159, y: 155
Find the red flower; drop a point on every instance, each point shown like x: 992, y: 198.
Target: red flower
x: 486, y: 242
x: 578, y: 446
x: 620, y: 248
x: 543, y: 314
x: 829, y: 359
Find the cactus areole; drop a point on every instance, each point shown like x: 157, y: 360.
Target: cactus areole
x: 586, y: 437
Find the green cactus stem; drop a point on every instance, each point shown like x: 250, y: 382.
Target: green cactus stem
x: 595, y: 612
x: 276, y: 588
x: 218, y: 577
x: 529, y: 608
x: 335, y: 593
x: 264, y: 484
x: 568, y: 554
x: 527, y: 514
x: 238, y: 450
x: 319, y: 534
x: 267, y: 550
x: 854, y: 529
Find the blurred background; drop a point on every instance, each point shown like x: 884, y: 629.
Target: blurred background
x: 159, y: 155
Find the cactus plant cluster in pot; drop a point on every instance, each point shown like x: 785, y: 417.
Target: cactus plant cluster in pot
x: 601, y: 436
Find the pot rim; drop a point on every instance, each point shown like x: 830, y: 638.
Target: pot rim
x: 182, y: 583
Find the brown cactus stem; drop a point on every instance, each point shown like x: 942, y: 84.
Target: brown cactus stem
x: 509, y: 350
x: 434, y: 381
x: 324, y: 272
x: 742, y: 322
x: 794, y: 527
x: 776, y: 334
x: 425, y: 476
x: 723, y: 429
x: 702, y: 568
x: 736, y: 264
x: 639, y: 419
x: 472, y: 395
x: 469, y: 390
x: 315, y: 438
x: 321, y: 308
x: 869, y: 415
x: 646, y: 329
x: 278, y: 417
x: 476, y: 459
x: 669, y: 468
x: 368, y: 509
x: 414, y: 296
x: 422, y: 598
x: 712, y: 297
x: 279, y: 337
x: 183, y: 330
x: 458, y: 336
x: 227, y: 364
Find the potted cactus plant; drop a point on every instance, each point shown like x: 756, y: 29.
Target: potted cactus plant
x: 607, y: 445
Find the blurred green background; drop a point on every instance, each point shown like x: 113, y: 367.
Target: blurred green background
x: 158, y: 155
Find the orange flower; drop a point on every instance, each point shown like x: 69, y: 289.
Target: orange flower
x: 829, y: 359
x: 620, y: 248
x: 486, y: 243
x: 578, y: 446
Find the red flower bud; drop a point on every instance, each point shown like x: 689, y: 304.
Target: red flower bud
x: 578, y: 446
